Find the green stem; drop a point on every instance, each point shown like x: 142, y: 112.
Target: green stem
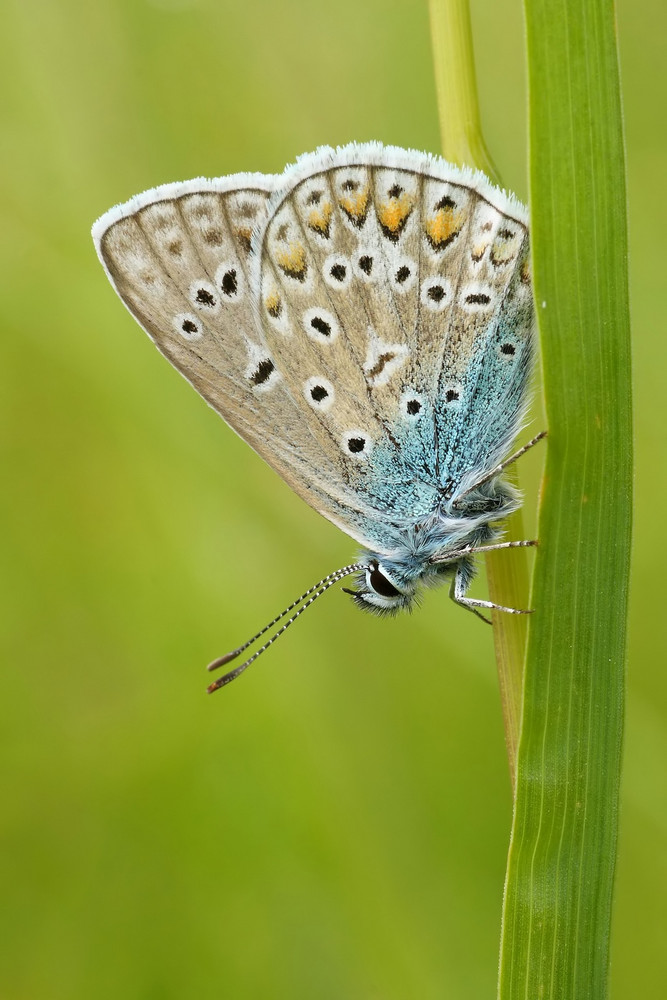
x: 456, y: 86
x: 463, y: 143
x: 557, y: 910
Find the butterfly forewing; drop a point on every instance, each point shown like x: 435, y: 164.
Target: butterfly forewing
x: 178, y: 257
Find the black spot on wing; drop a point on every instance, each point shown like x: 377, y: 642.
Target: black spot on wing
x: 229, y: 283
x: 356, y: 445
x: 262, y: 372
x: 204, y: 297
x: 321, y: 326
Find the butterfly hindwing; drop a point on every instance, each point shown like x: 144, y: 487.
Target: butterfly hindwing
x: 491, y: 393
x: 383, y: 279
x: 178, y: 257
x: 486, y: 350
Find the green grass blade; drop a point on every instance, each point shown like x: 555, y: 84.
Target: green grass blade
x: 562, y: 856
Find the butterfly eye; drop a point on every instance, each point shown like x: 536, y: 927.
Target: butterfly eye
x: 363, y: 264
x: 357, y: 443
x: 204, y: 297
x: 229, y: 282
x: 380, y: 584
x: 475, y: 298
x: 436, y: 293
x: 262, y: 372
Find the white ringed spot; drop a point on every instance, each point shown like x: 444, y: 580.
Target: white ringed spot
x: 319, y: 393
x: 411, y: 406
x: 188, y: 326
x: 452, y: 395
x: 337, y: 272
x: 261, y: 371
x: 436, y: 293
x: 507, y: 349
x: 204, y: 296
x: 477, y: 298
x: 365, y: 265
x: 321, y: 325
x: 403, y: 274
x: 357, y: 444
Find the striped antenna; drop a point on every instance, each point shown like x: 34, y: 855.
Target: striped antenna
x: 305, y: 601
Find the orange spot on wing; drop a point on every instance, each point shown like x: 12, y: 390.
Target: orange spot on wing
x: 355, y: 204
x: 292, y: 259
x: 319, y: 218
x: 444, y: 226
x: 393, y: 214
x: 504, y: 250
x: 273, y: 304
x: 244, y: 236
x: 478, y: 251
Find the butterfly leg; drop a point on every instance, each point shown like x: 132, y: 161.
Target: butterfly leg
x: 457, y: 592
x: 503, y: 465
x: 522, y: 451
x: 471, y: 550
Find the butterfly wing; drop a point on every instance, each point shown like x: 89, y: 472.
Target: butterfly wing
x: 339, y: 319
x: 338, y: 333
x: 384, y: 277
x: 487, y: 347
x: 178, y: 256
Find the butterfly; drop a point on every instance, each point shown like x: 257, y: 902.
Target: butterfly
x: 364, y: 321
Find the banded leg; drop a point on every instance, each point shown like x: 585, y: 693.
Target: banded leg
x: 503, y: 465
x: 472, y: 550
x: 457, y: 592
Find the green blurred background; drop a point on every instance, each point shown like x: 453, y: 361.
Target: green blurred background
x: 336, y: 824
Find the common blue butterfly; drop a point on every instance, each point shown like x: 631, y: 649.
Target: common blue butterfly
x: 365, y: 322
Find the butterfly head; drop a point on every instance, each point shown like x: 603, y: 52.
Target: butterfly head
x: 382, y: 590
